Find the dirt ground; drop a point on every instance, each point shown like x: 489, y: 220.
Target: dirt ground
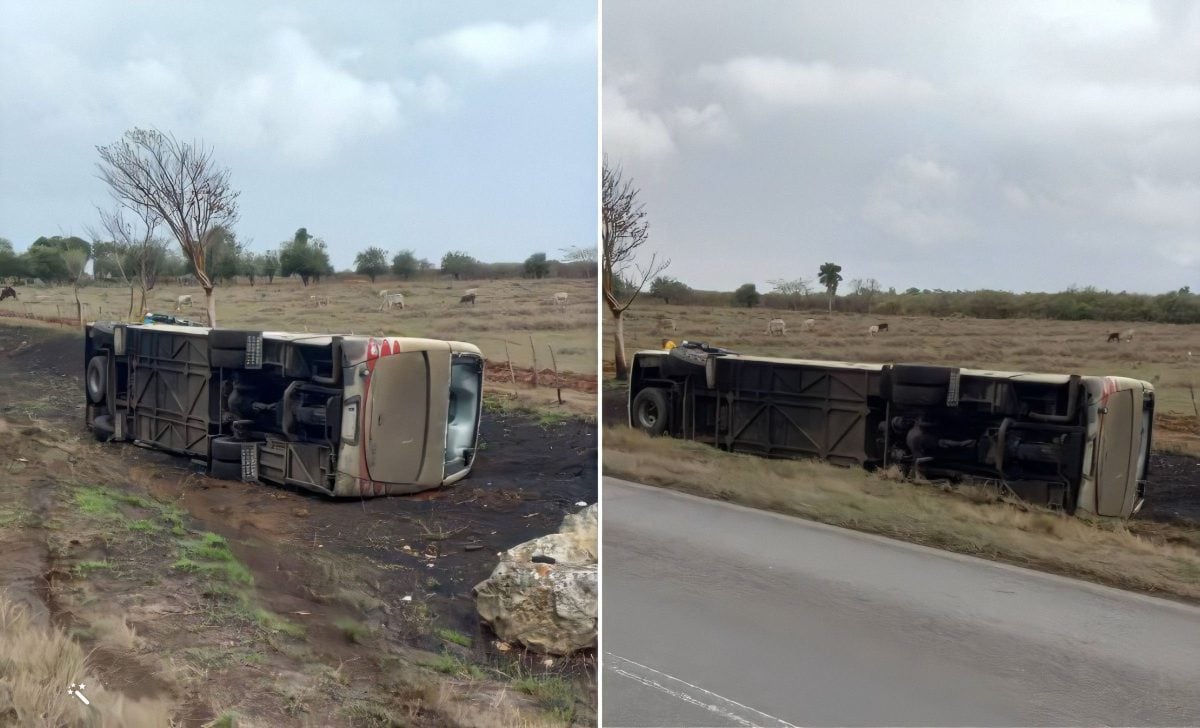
x: 221, y: 599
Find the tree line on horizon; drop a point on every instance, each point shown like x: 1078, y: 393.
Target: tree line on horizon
x: 228, y: 260
x: 866, y: 296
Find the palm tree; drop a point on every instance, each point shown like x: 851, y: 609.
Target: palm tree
x: 831, y: 275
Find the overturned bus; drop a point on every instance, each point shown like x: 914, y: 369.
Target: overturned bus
x: 1065, y: 441
x: 340, y: 415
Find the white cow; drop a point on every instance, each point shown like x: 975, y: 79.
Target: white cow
x: 873, y: 330
x: 776, y: 327
x: 392, y: 299
x: 809, y: 324
x: 319, y: 301
x: 560, y: 298
x: 180, y: 301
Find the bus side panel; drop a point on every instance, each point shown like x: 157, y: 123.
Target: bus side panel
x: 173, y: 398
x: 788, y: 411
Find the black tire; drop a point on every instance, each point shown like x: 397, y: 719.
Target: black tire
x: 920, y: 375
x: 103, y: 428
x: 97, y: 378
x: 228, y: 338
x: 650, y: 412
x: 226, y: 449
x: 227, y: 358
x: 912, y: 395
x: 225, y: 471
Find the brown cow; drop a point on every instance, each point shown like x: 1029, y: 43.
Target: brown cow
x: 9, y: 292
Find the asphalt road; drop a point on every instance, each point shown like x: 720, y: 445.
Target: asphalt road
x: 717, y: 615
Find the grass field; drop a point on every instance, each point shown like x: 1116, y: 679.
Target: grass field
x: 506, y: 311
x: 1166, y: 355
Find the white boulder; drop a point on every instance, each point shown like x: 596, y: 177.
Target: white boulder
x: 542, y: 594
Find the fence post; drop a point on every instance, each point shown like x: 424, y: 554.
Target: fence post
x: 557, y: 377
x: 533, y: 351
x: 511, y: 374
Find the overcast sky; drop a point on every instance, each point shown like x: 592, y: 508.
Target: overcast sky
x: 431, y: 125
x: 1011, y: 145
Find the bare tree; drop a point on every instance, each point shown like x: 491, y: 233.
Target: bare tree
x: 181, y: 183
x: 115, y: 252
x: 866, y: 289
x: 579, y: 254
x: 76, y: 260
x: 143, y: 250
x: 625, y: 230
x: 791, y: 290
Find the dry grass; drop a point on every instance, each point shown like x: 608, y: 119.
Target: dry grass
x: 1158, y: 352
x: 38, y: 663
x: 1156, y: 558
x: 500, y: 708
x: 506, y: 310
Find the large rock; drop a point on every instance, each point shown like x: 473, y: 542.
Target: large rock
x: 547, y: 607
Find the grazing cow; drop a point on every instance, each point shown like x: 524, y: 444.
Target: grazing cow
x: 392, y: 299
x: 809, y: 324
x: 873, y: 330
x: 319, y: 301
x: 881, y: 327
x: 776, y: 327
x: 180, y: 301
x: 666, y: 323
x: 468, y: 298
x: 560, y: 298
x: 1114, y: 336
x: 9, y: 292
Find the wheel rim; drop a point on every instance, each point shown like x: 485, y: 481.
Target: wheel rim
x: 648, y: 414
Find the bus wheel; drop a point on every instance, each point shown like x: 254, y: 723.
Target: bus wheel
x: 226, y: 471
x: 103, y: 428
x: 650, y: 410
x: 227, y: 449
x: 97, y: 378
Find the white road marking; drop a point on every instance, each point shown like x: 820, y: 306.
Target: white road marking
x: 722, y: 706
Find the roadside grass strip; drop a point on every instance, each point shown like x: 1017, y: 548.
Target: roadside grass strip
x: 1143, y: 556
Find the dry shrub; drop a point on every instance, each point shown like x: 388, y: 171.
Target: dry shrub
x: 38, y: 663
x: 501, y: 708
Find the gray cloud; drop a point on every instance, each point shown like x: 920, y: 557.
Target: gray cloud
x: 1023, y: 145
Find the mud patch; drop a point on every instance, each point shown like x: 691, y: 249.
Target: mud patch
x: 1173, y: 490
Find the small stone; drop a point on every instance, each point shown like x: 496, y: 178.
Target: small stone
x: 300, y: 512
